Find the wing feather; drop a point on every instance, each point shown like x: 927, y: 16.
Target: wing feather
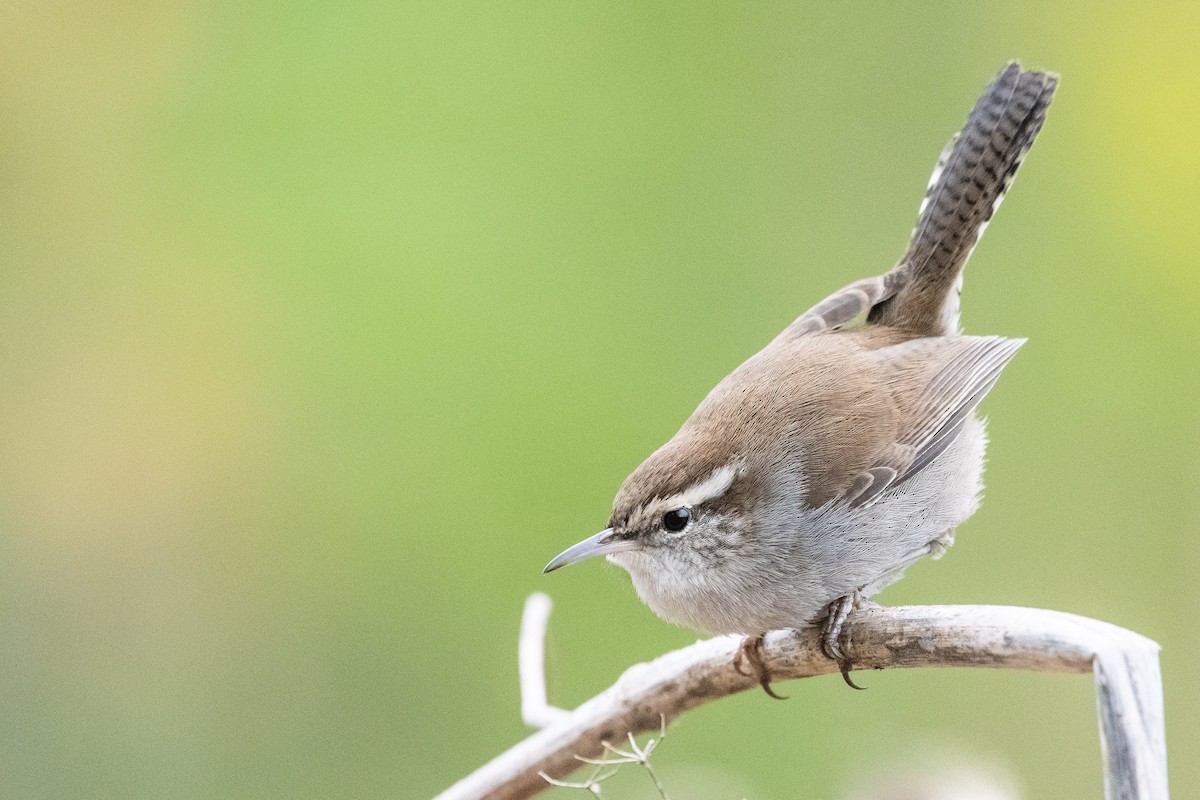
x: 954, y: 374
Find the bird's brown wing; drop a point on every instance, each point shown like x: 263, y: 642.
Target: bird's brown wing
x: 936, y: 384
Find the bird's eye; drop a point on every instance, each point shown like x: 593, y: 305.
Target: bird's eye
x: 677, y: 519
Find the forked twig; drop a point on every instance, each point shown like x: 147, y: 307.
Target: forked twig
x: 647, y: 696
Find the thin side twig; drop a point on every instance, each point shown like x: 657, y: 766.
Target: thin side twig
x: 531, y: 659
x: 1124, y: 664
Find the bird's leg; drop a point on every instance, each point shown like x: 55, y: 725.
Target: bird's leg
x: 750, y: 651
x: 831, y: 634
x: 939, y: 546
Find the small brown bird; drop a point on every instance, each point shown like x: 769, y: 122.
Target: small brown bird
x: 847, y: 449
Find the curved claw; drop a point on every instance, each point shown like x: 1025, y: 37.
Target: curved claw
x: 750, y: 652
x: 764, y: 681
x: 737, y: 662
x: 831, y: 636
x: 845, y: 667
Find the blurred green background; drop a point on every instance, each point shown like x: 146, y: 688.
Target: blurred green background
x: 323, y: 326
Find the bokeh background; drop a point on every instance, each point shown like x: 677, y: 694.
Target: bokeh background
x: 323, y: 326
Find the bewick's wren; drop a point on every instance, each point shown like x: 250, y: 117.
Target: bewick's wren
x: 819, y: 470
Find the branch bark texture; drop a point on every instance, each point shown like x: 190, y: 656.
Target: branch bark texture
x: 1124, y: 664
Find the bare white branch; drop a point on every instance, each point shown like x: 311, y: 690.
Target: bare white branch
x: 1125, y: 666
x: 531, y: 660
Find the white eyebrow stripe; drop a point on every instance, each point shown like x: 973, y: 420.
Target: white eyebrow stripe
x: 715, y: 485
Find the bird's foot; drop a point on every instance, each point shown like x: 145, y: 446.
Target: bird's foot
x: 750, y: 652
x: 831, y: 634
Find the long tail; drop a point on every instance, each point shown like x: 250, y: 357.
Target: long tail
x: 966, y: 188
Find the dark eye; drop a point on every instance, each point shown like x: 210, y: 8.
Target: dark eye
x: 678, y: 519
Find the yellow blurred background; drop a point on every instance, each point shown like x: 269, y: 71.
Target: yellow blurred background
x: 323, y: 326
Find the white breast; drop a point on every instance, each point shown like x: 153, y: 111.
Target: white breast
x: 790, y: 574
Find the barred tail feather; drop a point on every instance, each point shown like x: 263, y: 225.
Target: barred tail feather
x: 971, y: 177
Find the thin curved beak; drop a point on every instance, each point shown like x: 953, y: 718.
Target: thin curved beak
x: 601, y: 544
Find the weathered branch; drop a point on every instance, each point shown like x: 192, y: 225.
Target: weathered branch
x: 1125, y: 665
